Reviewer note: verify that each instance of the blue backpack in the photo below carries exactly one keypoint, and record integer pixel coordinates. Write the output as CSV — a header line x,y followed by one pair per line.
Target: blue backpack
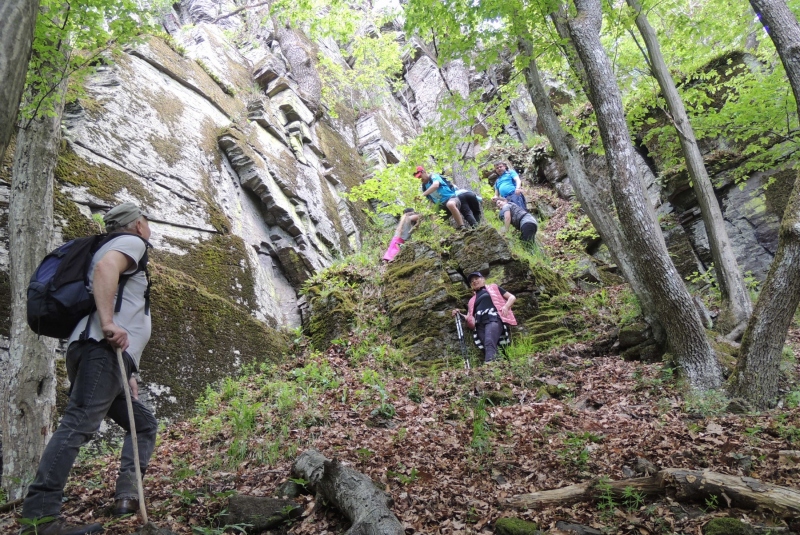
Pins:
x,y
58,295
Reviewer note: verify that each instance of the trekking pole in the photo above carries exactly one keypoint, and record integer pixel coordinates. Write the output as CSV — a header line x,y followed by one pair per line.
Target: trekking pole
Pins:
x,y
460,331
132,424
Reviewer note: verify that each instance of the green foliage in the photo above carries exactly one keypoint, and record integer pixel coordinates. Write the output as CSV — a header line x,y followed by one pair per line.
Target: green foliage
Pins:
x,y
403,474
705,403
793,399
575,452
374,75
481,432
69,40
35,522
632,499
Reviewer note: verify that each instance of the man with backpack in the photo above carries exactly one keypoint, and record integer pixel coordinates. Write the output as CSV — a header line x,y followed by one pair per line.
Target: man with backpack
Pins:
x,y
441,193
119,284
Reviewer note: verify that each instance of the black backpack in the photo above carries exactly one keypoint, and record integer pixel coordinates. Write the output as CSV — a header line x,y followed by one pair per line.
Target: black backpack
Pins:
x,y
58,295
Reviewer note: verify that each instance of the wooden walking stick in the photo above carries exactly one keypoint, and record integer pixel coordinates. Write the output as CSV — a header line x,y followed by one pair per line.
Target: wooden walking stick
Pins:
x,y
132,421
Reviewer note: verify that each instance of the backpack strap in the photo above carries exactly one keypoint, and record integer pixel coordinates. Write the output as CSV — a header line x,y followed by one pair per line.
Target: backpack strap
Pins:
x,y
123,279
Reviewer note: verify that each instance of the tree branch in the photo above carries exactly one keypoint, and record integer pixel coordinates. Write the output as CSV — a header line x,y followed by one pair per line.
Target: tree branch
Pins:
x,y
235,11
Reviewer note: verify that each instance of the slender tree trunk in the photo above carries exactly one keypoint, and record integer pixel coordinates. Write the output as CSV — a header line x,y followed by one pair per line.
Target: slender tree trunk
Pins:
x,y
28,390
758,369
300,54
729,277
681,321
589,194
17,20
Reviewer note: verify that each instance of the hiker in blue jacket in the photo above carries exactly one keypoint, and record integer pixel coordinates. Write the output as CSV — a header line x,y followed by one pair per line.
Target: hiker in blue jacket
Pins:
x,y
508,185
440,193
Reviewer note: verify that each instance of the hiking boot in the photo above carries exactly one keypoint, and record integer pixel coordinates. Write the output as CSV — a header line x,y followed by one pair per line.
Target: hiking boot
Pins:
x,y
125,506
59,526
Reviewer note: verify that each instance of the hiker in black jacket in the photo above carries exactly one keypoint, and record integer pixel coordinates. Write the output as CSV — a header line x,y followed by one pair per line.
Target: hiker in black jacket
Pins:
x,y
511,214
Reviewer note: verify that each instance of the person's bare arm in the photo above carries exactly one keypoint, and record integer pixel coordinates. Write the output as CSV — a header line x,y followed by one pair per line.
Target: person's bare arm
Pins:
x,y
105,282
431,189
509,301
507,219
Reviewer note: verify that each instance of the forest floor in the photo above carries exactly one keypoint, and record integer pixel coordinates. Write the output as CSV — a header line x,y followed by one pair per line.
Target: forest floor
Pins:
x,y
452,445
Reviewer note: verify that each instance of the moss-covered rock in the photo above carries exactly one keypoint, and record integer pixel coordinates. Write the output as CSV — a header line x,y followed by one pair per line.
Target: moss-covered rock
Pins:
x,y
515,526
218,264
101,181
5,304
423,286
727,526
198,338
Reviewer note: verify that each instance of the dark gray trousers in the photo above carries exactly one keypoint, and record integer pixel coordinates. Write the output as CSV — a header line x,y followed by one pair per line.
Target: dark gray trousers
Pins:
x,y
96,392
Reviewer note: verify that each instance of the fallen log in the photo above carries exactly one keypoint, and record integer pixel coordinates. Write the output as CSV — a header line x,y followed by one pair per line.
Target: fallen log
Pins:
x,y
681,485
350,491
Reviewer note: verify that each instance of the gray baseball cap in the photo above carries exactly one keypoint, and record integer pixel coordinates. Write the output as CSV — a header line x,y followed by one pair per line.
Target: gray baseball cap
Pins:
x,y
121,215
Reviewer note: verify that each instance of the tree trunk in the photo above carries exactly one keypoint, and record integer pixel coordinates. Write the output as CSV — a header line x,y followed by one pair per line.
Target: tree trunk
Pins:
x,y
758,368
681,321
590,195
29,386
731,282
353,493
17,20
681,485
300,54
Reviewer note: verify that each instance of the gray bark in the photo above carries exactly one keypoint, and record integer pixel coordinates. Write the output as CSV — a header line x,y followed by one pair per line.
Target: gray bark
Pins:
x,y
685,334
17,20
731,282
350,491
29,385
758,368
681,484
589,193
301,56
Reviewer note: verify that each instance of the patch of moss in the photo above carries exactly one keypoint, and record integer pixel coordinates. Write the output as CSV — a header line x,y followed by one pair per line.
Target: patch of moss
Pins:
x,y
515,526
73,223
166,147
727,526
169,108
199,337
102,181
218,265
778,191
228,90
190,73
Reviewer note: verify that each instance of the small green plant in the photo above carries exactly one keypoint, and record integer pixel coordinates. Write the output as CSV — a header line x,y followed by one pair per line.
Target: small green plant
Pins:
x,y
632,499
793,399
576,452
712,503
401,476
481,433
415,393
364,454
35,522
605,502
